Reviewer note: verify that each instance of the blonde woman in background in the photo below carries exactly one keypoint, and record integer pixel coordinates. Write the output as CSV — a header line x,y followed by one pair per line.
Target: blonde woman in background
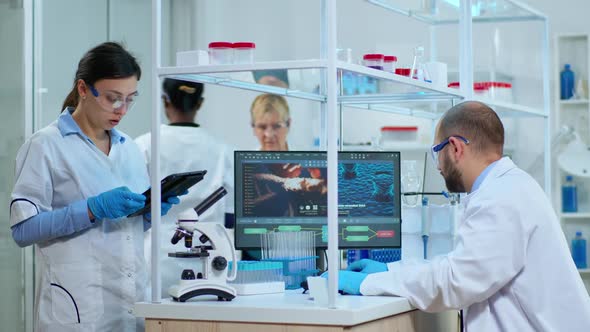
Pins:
x,y
270,122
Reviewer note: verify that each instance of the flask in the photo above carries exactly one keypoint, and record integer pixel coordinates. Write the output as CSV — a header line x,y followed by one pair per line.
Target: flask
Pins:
x,y
579,251
567,82
569,195
411,182
418,71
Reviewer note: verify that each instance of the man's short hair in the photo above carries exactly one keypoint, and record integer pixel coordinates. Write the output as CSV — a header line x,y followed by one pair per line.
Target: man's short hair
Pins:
x,y
478,123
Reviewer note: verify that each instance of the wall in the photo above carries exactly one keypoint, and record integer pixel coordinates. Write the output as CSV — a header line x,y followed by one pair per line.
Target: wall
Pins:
x,y
12,133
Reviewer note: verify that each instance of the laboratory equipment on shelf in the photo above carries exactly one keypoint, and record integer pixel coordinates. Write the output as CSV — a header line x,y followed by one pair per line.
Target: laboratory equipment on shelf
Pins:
x,y
569,195
213,253
374,61
579,251
418,70
221,53
389,63
567,79
394,135
243,52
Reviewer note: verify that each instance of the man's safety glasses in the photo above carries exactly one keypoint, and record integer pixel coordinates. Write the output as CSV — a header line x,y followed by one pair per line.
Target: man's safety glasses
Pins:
x,y
438,147
112,101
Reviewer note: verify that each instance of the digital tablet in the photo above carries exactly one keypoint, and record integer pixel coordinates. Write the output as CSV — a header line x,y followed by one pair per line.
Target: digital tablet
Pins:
x,y
172,185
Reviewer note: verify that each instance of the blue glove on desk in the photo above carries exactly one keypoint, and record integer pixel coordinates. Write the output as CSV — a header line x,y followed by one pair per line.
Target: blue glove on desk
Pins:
x,y
367,266
115,203
165,207
349,281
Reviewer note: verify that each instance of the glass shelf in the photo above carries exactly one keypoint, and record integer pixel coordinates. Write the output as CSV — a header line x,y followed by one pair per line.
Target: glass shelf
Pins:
x,y
304,76
362,87
513,110
447,11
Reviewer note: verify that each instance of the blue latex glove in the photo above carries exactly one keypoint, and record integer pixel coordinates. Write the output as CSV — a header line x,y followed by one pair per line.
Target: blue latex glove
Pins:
x,y
367,266
165,207
115,203
349,282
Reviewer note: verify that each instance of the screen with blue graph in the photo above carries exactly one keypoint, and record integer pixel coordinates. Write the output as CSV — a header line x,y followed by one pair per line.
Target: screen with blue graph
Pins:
x,y
287,192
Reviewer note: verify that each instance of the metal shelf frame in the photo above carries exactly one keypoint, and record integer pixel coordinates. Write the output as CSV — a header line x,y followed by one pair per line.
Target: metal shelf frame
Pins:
x,y
331,101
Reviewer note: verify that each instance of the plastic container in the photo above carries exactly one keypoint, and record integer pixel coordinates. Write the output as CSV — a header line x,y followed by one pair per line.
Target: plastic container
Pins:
x,y
579,251
569,195
243,52
220,53
403,71
373,61
385,255
389,63
353,255
567,79
391,135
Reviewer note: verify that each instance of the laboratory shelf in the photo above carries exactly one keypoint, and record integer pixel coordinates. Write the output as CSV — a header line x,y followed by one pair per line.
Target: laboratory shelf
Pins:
x,y
513,110
581,102
394,88
584,271
241,76
402,147
575,215
448,11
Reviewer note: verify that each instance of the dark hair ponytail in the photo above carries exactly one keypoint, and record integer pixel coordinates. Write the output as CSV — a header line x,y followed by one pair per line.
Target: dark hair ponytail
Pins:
x,y
185,96
105,61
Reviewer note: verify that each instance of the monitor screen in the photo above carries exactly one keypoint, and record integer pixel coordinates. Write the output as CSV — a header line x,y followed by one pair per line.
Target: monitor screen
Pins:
x,y
287,191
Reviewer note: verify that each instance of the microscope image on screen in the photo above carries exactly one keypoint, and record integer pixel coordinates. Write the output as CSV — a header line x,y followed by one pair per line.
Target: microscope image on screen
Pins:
x,y
284,190
365,189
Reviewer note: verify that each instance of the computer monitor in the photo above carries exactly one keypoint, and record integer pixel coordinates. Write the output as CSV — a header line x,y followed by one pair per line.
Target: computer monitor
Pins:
x,y
287,191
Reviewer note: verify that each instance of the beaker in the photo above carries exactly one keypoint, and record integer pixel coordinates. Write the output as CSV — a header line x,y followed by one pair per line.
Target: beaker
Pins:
x,y
411,182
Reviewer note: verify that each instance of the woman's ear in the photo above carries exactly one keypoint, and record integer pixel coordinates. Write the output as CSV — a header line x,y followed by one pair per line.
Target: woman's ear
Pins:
x,y
82,89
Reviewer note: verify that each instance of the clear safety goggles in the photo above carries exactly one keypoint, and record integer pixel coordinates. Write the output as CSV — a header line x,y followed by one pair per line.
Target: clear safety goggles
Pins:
x,y
263,127
113,102
438,147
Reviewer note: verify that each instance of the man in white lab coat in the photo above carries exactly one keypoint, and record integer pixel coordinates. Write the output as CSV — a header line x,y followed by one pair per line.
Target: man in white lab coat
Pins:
x,y
511,269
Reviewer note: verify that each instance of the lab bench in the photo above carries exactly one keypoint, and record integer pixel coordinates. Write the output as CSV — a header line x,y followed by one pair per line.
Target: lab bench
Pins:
x,y
291,311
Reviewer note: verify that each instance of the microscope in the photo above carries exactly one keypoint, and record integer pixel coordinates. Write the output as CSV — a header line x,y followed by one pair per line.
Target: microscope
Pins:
x,y
213,251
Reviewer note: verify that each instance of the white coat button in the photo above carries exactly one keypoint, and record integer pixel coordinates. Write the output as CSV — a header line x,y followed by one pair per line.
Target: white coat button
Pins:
x,y
129,275
130,311
128,237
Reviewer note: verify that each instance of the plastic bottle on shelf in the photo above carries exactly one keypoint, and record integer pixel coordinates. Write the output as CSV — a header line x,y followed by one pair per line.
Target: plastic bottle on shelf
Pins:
x,y
579,251
567,79
569,195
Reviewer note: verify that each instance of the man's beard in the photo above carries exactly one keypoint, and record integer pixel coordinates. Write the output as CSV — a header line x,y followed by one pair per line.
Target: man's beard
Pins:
x,y
452,177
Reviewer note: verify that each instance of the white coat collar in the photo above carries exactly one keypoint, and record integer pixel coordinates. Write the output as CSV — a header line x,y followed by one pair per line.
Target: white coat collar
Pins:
x,y
502,166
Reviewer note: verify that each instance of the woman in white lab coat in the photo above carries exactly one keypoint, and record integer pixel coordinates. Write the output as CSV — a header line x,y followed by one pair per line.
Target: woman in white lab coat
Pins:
x,y
271,122
76,181
186,146
511,269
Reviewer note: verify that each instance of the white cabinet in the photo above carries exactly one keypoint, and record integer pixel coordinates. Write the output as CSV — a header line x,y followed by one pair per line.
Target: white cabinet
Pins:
x,y
397,94
572,119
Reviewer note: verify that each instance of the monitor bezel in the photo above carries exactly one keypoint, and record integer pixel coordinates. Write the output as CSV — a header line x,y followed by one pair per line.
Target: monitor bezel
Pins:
x,y
319,245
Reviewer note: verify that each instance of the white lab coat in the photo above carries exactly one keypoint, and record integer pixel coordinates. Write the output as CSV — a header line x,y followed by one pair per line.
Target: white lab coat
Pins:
x,y
511,269
100,271
184,149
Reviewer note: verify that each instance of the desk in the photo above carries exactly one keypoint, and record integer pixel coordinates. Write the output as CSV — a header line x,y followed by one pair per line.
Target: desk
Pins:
x,y
286,312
